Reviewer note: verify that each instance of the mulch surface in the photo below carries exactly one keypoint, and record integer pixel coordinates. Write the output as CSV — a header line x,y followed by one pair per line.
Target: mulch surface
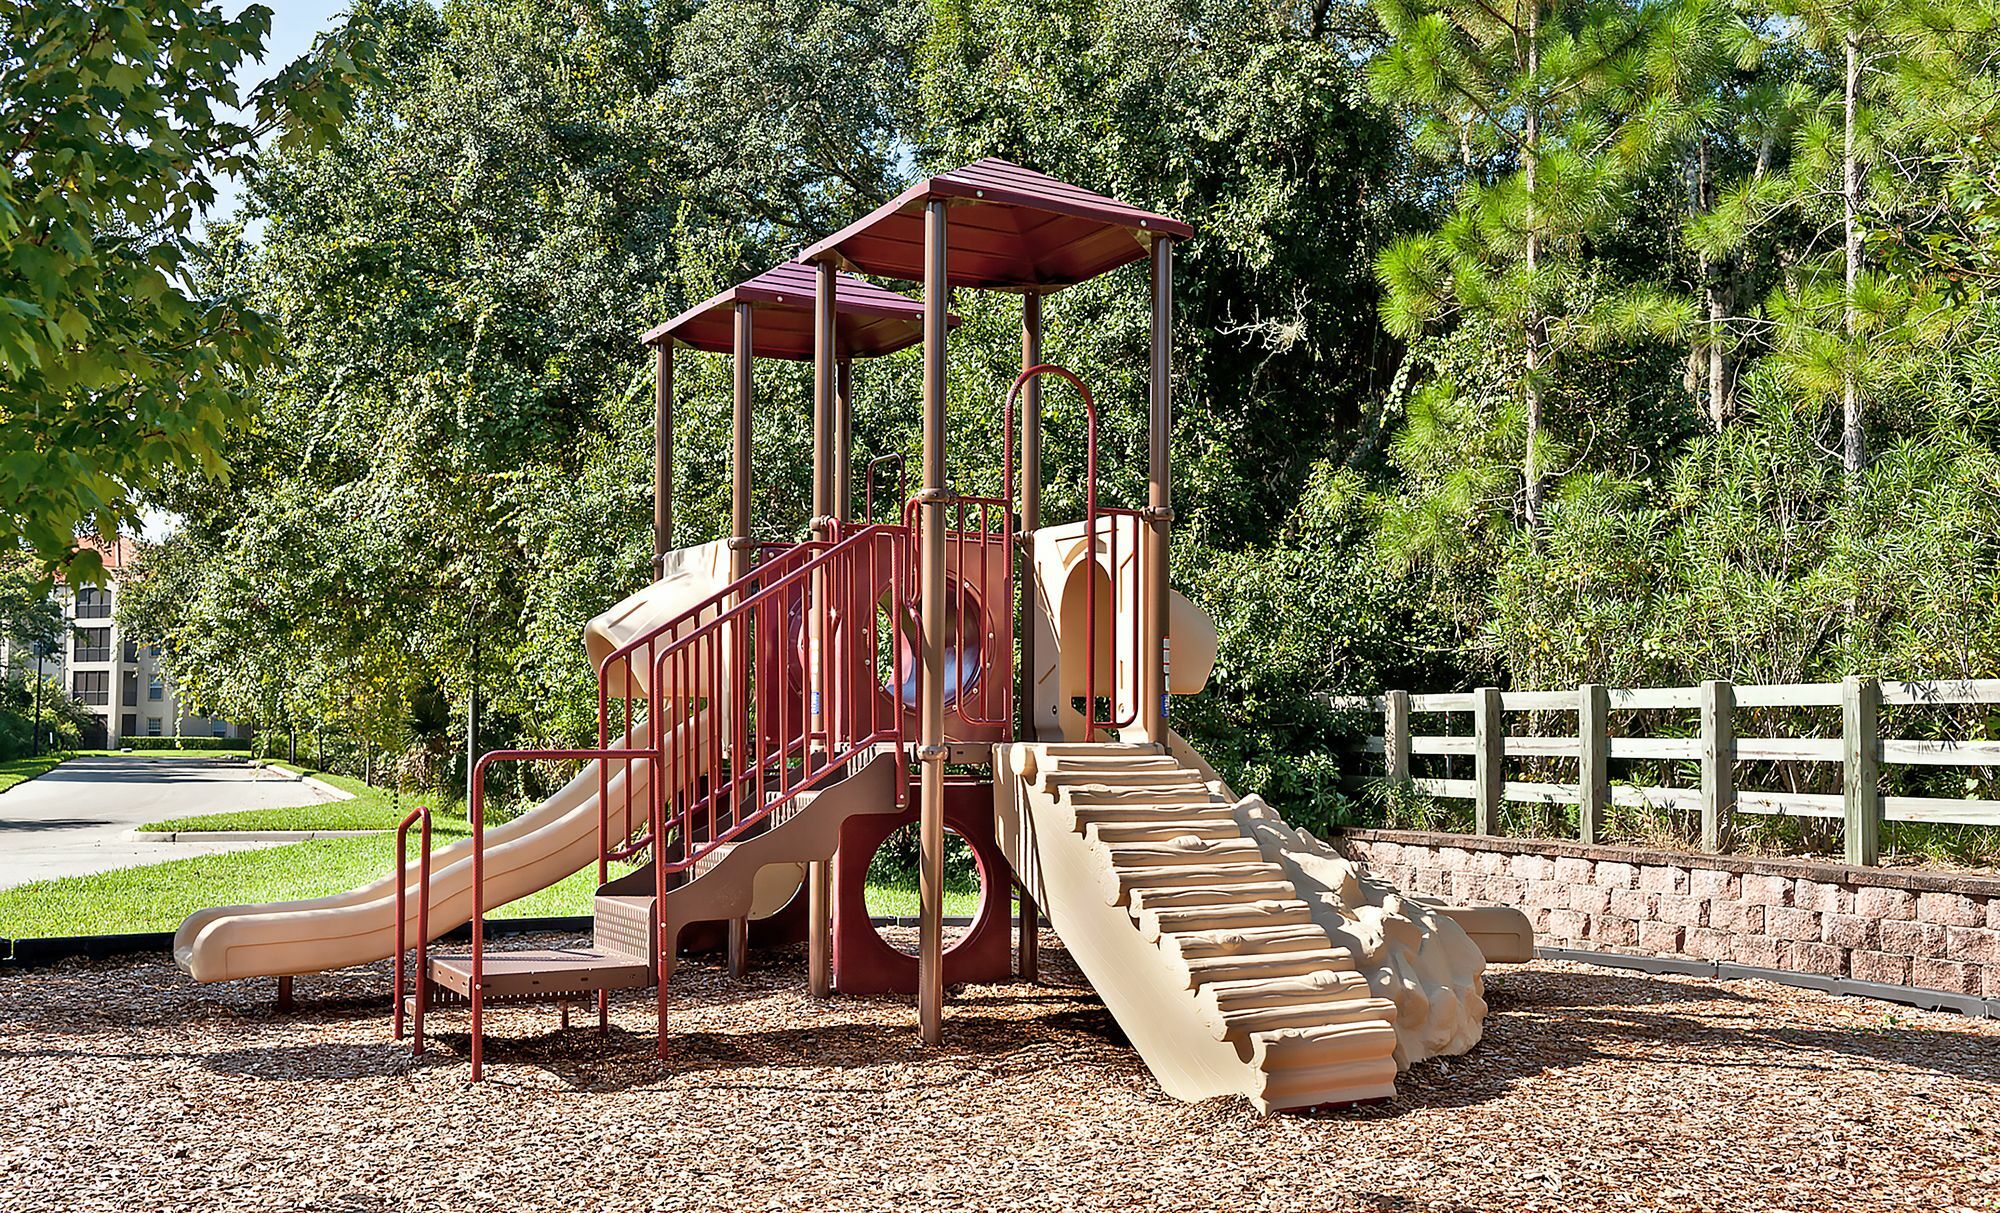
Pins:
x,y
124,1086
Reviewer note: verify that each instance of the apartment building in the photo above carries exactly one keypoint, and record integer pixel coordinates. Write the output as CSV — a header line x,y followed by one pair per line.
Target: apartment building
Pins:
x,y
119,680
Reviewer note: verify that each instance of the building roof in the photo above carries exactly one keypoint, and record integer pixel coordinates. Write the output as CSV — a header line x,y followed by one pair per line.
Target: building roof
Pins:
x,y
869,320
1012,228
119,553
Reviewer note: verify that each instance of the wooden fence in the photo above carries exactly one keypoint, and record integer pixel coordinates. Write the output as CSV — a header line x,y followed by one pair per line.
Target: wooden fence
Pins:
x,y
1861,751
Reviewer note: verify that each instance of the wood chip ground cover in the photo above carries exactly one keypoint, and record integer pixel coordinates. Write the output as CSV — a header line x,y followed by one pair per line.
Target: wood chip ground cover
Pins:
x,y
127,1087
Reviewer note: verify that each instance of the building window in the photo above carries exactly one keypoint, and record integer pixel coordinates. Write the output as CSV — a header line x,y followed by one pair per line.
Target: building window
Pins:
x,y
128,687
222,730
131,652
93,644
156,689
91,686
128,724
152,726
92,603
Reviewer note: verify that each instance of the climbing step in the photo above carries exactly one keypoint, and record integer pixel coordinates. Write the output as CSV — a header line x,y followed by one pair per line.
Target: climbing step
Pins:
x,y
1209,895
1268,912
1105,833
1239,1025
1185,849
1119,883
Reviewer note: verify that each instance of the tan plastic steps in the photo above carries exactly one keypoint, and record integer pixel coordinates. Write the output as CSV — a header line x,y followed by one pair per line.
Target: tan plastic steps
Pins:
x,y
1199,945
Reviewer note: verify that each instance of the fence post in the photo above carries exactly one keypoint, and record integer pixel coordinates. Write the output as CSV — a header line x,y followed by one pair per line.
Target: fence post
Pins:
x,y
1718,762
1489,745
1593,766
1396,736
1861,769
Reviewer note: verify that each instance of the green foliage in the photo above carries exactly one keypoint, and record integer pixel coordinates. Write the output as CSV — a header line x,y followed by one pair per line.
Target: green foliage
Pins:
x,y
117,366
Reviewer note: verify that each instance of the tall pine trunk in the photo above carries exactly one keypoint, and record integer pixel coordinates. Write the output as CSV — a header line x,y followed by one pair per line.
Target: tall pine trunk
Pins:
x,y
1720,406
1853,451
1531,469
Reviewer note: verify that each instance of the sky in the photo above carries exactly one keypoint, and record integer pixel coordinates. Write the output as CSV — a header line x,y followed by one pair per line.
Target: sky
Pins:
x,y
294,23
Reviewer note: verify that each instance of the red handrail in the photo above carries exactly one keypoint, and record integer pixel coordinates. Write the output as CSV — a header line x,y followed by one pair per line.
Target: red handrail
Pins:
x,y
477,985
1091,513
420,813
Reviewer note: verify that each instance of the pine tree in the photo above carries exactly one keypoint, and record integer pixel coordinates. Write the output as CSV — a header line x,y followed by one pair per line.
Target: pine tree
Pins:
x,y
1549,109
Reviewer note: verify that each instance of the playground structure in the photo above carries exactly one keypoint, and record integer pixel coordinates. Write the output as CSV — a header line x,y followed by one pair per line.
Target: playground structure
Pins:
x,y
761,707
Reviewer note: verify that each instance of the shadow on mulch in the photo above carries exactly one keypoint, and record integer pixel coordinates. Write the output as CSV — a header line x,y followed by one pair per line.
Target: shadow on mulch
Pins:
x,y
1536,1024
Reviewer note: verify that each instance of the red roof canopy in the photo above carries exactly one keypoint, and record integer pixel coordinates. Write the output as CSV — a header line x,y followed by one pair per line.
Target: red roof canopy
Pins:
x,y
1013,229
868,319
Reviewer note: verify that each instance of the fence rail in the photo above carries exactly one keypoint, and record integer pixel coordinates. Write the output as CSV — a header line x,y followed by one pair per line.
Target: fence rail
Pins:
x,y
1861,751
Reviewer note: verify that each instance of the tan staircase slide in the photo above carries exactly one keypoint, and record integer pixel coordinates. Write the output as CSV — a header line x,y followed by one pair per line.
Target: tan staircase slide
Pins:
x,y
1239,956
1199,947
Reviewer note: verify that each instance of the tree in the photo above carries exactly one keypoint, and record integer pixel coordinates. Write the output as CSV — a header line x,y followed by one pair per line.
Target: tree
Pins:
x,y
115,366
1549,109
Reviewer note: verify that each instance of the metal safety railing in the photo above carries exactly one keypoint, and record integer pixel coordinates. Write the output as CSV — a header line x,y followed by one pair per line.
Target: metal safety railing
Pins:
x,y
1101,524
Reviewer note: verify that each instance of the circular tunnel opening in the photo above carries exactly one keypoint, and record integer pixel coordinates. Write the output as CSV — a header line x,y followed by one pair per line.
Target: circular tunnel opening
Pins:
x,y
892,887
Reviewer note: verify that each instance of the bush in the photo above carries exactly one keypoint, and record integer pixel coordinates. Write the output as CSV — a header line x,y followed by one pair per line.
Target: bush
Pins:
x,y
241,744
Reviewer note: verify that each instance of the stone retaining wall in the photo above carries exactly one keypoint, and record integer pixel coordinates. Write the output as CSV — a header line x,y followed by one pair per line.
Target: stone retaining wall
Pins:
x,y
1935,930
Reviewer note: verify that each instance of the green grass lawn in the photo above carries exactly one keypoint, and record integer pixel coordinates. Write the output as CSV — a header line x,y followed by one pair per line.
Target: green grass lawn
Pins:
x,y
158,896
21,770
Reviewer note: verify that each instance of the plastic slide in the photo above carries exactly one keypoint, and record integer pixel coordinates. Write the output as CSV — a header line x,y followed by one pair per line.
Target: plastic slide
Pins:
x,y
545,845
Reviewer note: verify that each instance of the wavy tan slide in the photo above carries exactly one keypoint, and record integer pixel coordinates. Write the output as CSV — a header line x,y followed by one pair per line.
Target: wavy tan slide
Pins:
x,y
547,844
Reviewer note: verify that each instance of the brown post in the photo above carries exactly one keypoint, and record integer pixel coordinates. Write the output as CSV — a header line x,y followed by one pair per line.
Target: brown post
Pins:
x,y
739,542
739,464
1153,655
1031,518
819,916
930,737
843,440
663,453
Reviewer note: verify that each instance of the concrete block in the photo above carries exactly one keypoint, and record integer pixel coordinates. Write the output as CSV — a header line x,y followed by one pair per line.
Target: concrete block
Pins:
x,y
1614,875
1885,967
1682,911
1609,932
1885,903
1823,897
1911,938
1663,878
1714,882
1633,903
1532,867
1659,937
1506,890
1847,930
1568,924
1707,943
1759,950
1589,898
1947,975
1571,870
1808,956
1736,917
1950,910
1790,922
1972,945
1767,890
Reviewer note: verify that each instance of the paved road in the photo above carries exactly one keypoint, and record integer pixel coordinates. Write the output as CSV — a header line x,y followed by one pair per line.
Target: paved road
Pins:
x,y
79,817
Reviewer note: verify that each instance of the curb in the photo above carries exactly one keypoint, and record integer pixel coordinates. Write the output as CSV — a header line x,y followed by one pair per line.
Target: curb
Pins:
x,y
248,835
1847,987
